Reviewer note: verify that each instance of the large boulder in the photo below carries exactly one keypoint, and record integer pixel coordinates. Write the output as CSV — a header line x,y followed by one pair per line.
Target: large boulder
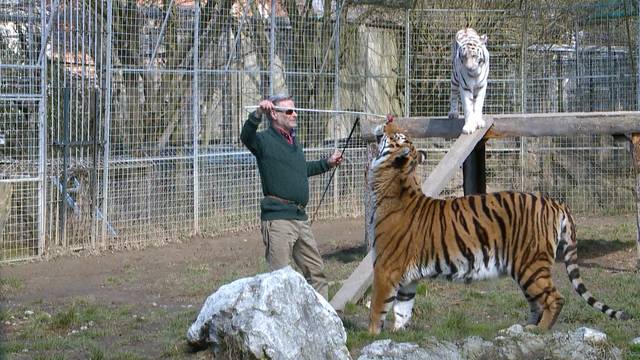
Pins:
x,y
275,315
511,344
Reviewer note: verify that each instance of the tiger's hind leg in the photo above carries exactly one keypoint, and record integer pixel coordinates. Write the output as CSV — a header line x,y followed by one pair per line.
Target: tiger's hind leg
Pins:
x,y
403,307
541,290
382,298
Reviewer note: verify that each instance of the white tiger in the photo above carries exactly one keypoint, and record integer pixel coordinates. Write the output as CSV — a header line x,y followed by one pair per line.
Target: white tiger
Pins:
x,y
469,78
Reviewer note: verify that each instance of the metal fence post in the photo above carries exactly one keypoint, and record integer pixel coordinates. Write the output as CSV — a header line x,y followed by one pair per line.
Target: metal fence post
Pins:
x,y
196,114
407,63
336,100
272,47
638,58
107,125
42,135
523,92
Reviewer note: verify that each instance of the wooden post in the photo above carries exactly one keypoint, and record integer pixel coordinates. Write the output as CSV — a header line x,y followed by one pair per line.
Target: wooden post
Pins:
x,y
635,150
473,171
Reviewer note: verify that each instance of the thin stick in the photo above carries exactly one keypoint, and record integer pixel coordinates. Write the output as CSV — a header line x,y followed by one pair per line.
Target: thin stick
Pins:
x,y
333,172
321,111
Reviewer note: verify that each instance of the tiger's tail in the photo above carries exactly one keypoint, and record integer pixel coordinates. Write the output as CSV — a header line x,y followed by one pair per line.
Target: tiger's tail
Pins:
x,y
568,247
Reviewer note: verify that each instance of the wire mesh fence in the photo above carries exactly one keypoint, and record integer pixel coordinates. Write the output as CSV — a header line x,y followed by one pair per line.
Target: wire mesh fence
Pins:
x,y
120,119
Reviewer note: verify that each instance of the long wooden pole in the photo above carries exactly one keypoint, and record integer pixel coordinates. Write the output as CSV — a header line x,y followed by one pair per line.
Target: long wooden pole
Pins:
x,y
513,125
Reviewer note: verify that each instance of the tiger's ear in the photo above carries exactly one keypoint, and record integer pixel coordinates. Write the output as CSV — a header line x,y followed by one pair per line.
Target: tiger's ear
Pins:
x,y
484,38
422,156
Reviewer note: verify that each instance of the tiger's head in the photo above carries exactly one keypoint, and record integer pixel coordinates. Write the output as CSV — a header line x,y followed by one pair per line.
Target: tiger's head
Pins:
x,y
472,50
395,152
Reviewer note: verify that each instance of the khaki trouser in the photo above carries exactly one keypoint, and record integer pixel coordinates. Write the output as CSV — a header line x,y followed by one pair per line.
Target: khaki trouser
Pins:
x,y
287,239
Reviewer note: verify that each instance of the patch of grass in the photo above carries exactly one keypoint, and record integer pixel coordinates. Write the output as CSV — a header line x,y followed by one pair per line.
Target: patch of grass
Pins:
x,y
350,308
127,276
173,337
80,312
10,284
96,353
77,326
126,355
634,352
51,357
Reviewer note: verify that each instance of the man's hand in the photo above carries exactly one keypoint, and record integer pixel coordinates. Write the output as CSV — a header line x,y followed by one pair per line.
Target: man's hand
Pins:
x,y
335,159
264,107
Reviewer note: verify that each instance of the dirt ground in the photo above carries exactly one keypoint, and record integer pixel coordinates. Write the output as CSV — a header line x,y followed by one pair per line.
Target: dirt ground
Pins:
x,y
174,277
87,276
179,276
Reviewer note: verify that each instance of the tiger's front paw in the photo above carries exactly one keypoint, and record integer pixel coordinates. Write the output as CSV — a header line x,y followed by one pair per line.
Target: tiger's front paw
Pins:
x,y
468,128
375,329
453,115
481,123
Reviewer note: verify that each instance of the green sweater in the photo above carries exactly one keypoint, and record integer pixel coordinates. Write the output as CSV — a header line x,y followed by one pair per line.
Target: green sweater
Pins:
x,y
283,171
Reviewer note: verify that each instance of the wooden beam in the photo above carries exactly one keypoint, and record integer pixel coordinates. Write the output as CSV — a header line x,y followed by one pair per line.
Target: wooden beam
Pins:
x,y
451,162
356,285
512,125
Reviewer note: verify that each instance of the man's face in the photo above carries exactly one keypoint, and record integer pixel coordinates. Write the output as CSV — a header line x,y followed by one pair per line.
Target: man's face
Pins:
x,y
282,119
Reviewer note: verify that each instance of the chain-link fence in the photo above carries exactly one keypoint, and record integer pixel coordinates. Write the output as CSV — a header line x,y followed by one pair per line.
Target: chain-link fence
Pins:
x,y
120,119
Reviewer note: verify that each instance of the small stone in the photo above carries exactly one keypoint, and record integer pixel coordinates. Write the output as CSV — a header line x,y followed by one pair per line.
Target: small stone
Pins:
x,y
636,341
513,330
28,313
592,335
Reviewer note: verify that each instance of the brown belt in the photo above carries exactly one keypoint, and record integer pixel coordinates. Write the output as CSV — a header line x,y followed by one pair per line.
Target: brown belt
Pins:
x,y
285,201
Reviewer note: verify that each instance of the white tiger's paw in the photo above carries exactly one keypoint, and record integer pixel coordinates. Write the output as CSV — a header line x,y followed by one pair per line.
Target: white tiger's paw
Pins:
x,y
453,115
400,325
468,128
481,123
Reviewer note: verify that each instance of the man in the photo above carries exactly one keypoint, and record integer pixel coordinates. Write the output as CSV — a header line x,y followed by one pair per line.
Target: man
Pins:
x,y
283,172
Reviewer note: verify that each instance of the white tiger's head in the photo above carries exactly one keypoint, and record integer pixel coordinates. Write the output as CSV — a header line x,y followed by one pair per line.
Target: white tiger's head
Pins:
x,y
472,51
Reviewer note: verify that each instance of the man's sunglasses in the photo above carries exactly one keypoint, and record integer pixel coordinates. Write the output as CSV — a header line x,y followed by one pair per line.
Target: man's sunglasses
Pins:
x,y
287,111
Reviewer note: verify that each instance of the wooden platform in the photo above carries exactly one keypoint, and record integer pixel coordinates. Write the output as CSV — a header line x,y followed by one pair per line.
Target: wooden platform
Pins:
x,y
513,125
356,285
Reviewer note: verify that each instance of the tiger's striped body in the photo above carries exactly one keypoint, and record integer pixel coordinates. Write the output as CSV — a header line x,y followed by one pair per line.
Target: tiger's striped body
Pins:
x,y
467,238
469,78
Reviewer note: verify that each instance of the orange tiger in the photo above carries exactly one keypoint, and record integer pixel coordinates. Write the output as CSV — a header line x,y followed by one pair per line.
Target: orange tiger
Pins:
x,y
466,238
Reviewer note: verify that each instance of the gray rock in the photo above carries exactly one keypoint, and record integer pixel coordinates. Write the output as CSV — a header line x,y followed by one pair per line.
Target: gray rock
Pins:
x,y
389,350
274,316
513,343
